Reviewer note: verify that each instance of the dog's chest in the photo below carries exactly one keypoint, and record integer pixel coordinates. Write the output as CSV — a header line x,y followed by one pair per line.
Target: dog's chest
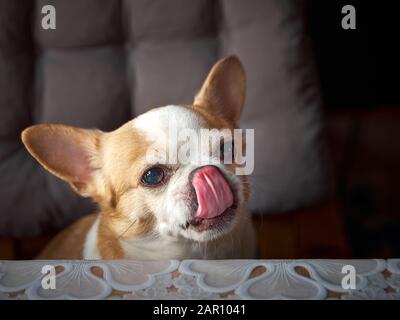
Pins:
x,y
161,249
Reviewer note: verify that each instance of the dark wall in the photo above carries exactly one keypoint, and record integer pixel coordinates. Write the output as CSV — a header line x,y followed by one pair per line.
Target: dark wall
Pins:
x,y
357,67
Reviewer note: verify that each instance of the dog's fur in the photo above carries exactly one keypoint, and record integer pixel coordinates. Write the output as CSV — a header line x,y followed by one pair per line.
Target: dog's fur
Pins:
x,y
136,222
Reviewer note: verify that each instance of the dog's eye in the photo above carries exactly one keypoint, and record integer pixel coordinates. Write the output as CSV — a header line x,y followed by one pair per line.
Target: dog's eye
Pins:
x,y
153,176
227,151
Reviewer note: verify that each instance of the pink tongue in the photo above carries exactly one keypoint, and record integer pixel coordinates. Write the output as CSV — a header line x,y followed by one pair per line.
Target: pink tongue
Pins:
x,y
214,195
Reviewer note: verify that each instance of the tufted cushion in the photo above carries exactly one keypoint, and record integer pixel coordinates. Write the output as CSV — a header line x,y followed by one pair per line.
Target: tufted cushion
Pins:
x,y
109,60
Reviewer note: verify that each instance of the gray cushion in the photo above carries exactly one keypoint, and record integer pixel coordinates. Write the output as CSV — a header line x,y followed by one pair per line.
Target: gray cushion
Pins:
x,y
109,60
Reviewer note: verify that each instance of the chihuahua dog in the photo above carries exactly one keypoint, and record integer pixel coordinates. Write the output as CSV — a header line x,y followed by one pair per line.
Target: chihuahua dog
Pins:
x,y
153,205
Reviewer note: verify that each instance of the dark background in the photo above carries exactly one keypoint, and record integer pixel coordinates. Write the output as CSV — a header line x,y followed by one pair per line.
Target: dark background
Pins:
x,y
357,67
360,86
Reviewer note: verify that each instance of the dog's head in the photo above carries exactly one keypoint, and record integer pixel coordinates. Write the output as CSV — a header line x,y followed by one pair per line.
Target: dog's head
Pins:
x,y
170,171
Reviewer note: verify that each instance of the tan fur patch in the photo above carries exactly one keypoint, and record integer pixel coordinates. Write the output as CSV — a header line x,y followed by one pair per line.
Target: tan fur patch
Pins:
x,y
107,242
123,149
68,244
224,90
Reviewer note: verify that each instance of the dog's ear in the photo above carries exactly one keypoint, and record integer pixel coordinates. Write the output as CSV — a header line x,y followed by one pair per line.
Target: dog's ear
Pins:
x,y
69,153
223,92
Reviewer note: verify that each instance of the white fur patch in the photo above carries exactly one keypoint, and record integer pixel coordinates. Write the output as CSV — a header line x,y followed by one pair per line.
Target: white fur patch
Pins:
x,y
90,250
154,247
150,123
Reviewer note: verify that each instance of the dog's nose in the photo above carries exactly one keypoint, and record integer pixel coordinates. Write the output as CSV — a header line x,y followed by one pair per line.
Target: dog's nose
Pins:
x,y
214,195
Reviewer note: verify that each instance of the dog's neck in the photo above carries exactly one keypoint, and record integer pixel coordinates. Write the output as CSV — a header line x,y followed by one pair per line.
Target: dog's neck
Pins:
x,y
103,243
